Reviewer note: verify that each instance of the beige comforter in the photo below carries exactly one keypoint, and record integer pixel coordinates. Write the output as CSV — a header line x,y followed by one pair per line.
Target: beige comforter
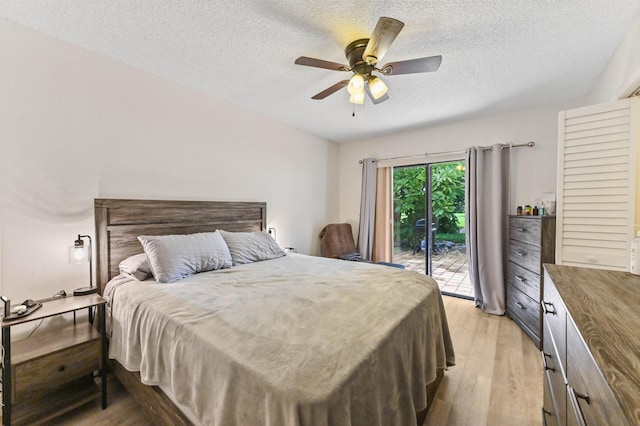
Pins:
x,y
296,340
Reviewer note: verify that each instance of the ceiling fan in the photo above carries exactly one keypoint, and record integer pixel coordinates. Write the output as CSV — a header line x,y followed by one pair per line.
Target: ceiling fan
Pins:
x,y
363,56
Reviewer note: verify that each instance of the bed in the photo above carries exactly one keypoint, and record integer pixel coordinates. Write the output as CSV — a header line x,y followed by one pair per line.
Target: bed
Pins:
x,y
294,340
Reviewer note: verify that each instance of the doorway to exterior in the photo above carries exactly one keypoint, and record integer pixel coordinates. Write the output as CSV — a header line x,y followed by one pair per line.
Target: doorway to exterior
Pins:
x,y
429,223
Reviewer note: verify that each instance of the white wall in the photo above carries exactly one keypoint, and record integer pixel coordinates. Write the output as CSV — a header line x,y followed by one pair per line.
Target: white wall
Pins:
x,y
622,70
77,126
533,170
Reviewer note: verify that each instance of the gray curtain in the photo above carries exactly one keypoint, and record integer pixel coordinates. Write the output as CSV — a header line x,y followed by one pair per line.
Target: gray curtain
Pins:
x,y
367,209
486,215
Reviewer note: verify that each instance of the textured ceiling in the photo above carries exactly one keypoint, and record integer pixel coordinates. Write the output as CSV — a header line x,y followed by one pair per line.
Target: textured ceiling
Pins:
x,y
497,54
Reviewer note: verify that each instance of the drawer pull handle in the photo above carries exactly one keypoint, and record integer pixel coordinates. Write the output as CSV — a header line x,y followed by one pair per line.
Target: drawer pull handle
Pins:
x,y
521,279
521,253
545,413
522,229
577,411
582,396
544,361
521,306
61,368
548,308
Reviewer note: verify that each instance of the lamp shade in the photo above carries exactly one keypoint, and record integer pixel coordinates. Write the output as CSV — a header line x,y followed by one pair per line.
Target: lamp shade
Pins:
x,y
78,254
377,87
356,84
357,98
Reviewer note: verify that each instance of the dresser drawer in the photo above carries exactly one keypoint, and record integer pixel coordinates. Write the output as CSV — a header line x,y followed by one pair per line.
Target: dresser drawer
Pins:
x,y
589,394
525,255
525,309
555,315
524,280
549,415
525,230
50,372
554,375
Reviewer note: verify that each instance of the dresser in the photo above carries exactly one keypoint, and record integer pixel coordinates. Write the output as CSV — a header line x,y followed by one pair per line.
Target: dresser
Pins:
x,y
531,243
591,347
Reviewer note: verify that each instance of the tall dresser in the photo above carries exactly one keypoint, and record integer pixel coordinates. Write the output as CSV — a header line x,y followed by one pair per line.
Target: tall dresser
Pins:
x,y
532,242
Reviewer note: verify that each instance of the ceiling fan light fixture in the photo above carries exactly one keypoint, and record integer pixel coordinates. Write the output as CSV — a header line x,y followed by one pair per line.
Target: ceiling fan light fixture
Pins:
x,y
357,98
377,87
363,56
356,85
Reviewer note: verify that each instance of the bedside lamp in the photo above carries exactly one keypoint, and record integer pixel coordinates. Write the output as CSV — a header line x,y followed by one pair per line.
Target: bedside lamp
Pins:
x,y
80,253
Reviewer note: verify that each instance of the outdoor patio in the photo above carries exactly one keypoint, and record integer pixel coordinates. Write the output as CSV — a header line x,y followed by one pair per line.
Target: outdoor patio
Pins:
x,y
450,269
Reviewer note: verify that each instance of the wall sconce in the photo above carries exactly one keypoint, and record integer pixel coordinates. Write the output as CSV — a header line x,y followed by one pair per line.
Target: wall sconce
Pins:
x,y
80,253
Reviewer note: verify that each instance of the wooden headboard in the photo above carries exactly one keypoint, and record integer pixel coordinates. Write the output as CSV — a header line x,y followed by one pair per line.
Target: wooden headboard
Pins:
x,y
119,223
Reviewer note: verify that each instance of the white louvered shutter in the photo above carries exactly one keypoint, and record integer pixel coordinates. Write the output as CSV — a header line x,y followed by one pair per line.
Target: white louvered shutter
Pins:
x,y
597,184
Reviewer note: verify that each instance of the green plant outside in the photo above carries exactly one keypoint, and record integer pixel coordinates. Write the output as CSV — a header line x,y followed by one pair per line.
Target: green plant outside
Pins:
x,y
455,238
408,202
462,221
447,194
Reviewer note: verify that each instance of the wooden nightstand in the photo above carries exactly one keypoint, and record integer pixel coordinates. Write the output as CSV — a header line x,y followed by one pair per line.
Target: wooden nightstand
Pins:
x,y
49,374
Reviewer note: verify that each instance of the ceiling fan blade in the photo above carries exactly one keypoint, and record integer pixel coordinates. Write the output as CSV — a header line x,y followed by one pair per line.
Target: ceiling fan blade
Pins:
x,y
319,63
385,32
411,66
374,100
331,90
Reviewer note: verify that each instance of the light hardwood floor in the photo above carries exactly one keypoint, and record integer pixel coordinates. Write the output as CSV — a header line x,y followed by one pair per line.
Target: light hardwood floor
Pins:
x,y
497,379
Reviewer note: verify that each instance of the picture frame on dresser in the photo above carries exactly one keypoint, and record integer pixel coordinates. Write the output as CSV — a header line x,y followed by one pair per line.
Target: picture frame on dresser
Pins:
x,y
531,243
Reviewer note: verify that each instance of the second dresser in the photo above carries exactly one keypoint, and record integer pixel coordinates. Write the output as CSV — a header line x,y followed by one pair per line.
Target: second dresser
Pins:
x,y
532,242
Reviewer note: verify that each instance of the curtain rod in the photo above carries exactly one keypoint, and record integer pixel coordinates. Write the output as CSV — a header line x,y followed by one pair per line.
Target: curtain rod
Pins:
x,y
529,144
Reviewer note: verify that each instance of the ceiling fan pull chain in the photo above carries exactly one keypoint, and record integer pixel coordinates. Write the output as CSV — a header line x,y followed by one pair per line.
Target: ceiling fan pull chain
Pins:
x,y
353,106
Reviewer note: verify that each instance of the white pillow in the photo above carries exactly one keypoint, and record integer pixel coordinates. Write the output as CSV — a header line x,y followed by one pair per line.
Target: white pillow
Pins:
x,y
136,266
248,247
173,257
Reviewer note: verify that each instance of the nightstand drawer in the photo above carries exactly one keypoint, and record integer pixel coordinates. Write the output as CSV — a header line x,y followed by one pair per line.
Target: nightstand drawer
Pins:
x,y
50,372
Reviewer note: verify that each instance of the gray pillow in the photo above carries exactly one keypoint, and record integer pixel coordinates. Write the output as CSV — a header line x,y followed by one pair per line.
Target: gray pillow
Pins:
x,y
248,247
173,257
136,266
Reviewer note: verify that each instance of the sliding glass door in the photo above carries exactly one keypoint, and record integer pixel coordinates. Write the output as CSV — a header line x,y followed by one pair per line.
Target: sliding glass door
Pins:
x,y
429,223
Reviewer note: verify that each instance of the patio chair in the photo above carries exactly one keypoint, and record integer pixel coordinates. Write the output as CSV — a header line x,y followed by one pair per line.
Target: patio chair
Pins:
x,y
419,235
